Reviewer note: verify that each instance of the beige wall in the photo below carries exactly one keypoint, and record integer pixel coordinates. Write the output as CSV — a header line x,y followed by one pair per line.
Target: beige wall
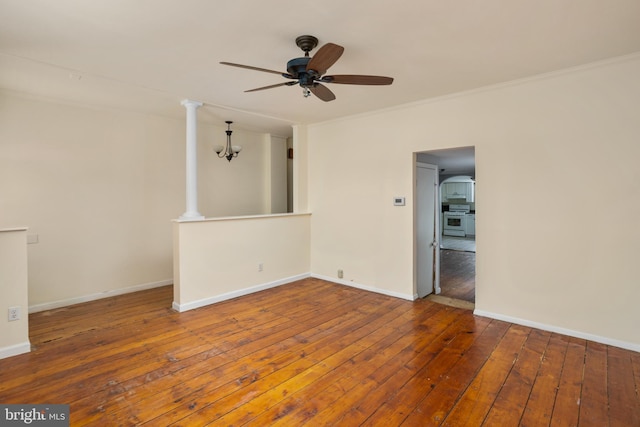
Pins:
x,y
100,187
218,259
253,183
555,157
14,335
278,175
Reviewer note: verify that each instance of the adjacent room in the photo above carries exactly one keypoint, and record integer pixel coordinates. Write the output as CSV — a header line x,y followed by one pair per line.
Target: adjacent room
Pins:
x,y
454,280
264,213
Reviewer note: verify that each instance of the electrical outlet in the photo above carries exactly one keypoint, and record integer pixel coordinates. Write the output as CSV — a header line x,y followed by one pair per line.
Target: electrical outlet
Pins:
x,y
340,274
14,313
260,267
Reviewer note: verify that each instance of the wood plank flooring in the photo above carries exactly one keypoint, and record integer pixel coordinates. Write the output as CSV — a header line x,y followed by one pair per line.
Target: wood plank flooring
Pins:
x,y
458,275
318,354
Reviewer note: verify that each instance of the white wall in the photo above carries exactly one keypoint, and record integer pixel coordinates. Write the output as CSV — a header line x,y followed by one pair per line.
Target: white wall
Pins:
x,y
555,156
100,187
14,335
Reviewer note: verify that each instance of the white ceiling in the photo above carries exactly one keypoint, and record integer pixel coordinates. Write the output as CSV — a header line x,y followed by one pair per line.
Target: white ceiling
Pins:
x,y
148,55
452,161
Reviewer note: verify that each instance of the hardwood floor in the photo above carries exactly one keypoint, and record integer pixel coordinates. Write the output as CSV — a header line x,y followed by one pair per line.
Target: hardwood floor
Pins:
x,y
314,353
458,275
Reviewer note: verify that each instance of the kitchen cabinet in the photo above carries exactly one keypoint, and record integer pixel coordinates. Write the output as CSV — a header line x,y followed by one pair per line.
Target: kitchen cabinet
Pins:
x,y
458,191
470,224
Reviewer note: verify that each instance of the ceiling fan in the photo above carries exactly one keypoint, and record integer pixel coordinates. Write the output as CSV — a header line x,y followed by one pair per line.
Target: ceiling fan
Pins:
x,y
309,72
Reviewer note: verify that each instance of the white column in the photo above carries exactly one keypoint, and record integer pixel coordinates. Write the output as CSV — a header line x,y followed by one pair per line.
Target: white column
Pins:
x,y
192,161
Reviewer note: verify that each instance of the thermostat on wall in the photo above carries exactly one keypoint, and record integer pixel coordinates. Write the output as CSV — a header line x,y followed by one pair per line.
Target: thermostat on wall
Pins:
x,y
398,201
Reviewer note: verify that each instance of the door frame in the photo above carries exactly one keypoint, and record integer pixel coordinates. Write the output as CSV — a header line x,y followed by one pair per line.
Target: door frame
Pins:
x,y
459,160
436,238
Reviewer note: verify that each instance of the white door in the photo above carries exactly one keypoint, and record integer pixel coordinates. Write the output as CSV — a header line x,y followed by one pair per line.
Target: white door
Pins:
x,y
427,224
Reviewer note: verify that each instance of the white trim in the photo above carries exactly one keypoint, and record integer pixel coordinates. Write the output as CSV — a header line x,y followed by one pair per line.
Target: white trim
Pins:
x,y
14,350
237,218
235,294
583,335
365,287
106,294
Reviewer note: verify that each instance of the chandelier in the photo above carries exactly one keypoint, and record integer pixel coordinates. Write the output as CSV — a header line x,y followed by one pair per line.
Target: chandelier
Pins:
x,y
230,151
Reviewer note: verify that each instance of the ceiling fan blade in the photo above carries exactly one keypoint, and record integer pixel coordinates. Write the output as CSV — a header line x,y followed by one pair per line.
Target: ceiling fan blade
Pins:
x,y
325,57
354,79
252,68
271,86
322,92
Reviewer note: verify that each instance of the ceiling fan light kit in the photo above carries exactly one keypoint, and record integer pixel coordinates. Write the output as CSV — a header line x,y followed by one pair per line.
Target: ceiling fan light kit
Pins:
x,y
308,72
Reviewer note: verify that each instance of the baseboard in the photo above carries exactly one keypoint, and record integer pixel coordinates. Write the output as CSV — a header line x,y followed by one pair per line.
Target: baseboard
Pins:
x,y
545,327
365,287
14,350
86,298
235,294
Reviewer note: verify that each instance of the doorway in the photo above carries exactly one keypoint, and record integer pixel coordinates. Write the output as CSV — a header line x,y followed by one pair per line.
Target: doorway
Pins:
x,y
455,269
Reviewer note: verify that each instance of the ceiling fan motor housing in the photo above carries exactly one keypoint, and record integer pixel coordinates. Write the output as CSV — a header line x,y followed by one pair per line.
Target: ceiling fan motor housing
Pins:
x,y
297,66
297,69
